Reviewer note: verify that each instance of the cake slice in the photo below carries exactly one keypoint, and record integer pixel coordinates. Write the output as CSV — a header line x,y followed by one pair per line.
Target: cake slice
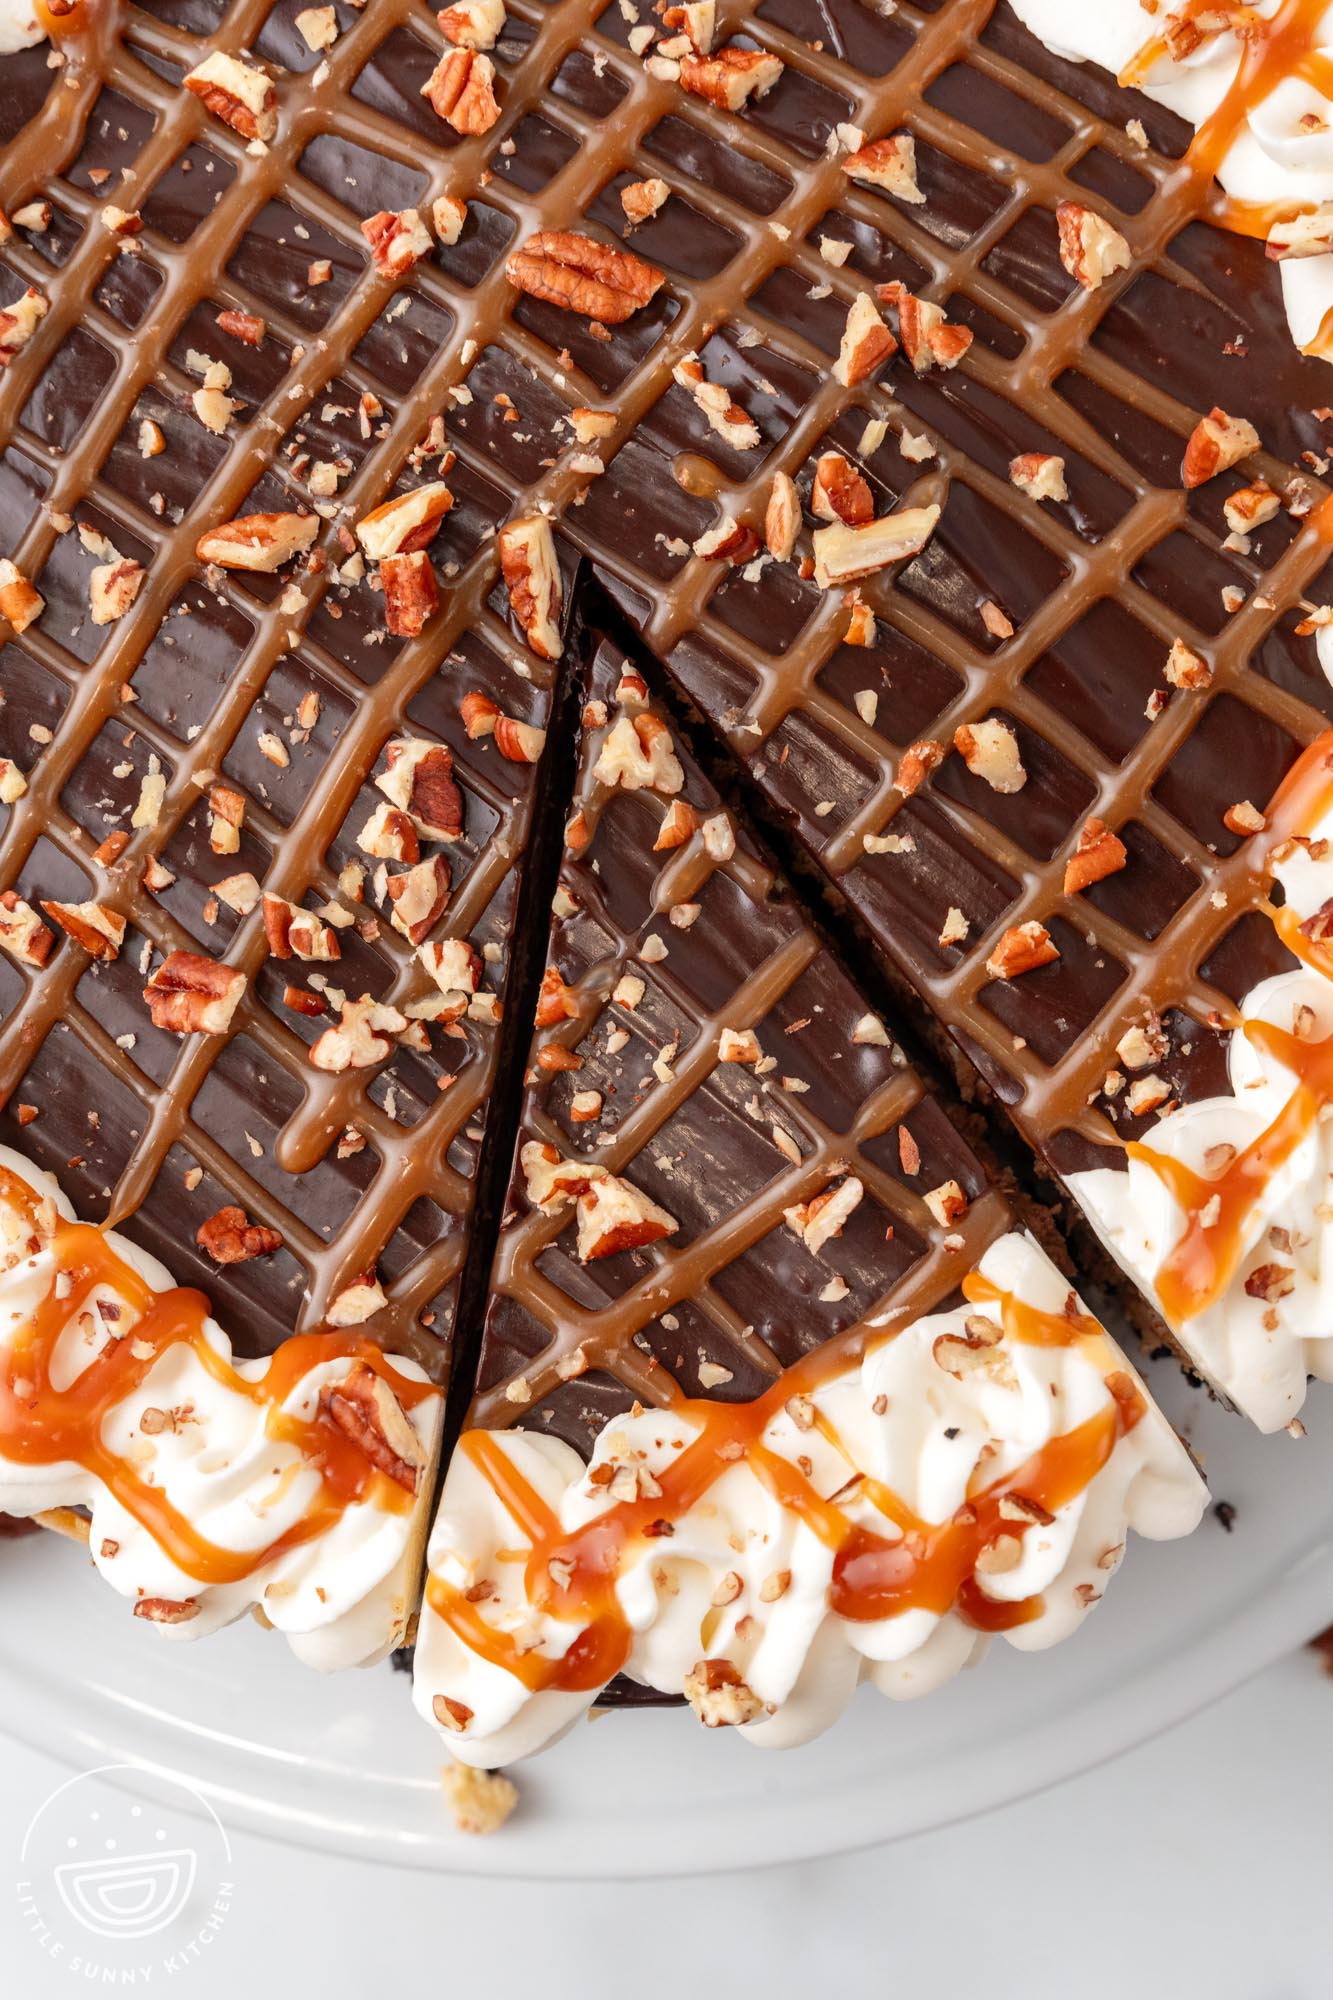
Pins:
x,y
205,1486
776,1387
1019,620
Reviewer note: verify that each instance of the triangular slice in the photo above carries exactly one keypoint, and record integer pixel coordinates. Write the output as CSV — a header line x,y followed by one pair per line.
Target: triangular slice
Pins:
x,y
776,1388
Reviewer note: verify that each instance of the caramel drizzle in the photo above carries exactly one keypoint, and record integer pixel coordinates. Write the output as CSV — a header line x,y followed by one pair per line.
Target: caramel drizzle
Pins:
x,y
1273,51
571,1575
42,1425
1203,1262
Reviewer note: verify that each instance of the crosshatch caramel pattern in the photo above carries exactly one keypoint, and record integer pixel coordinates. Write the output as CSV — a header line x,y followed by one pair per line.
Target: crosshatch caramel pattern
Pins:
x,y
747,288
726,1147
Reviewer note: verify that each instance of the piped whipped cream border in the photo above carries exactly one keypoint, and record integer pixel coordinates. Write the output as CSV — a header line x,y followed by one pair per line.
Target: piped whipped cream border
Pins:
x,y
1275,158
734,1608
343,1598
1271,1326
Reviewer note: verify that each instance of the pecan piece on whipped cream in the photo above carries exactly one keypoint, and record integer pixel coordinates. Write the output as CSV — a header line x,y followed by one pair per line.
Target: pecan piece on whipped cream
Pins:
x,y
582,275
193,995
365,1409
719,1696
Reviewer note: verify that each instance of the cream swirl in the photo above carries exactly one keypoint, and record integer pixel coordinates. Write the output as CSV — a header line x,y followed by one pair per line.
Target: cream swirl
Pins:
x,y
1282,153
19,26
224,1461
897,1447
1271,1323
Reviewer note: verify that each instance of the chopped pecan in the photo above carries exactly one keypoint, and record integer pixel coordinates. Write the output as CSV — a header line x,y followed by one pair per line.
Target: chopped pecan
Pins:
x,y
167,1610
724,416
19,602
866,342
389,835
845,555
731,77
243,326
556,1001
461,88
782,517
990,751
296,933
1185,668
1039,474
448,212
1097,854
916,764
13,785
730,541
262,542
99,930
519,742
889,164
696,20
1270,1282
472,24
238,93
226,808
1309,234
406,523
532,578
112,589
411,594
582,275
1023,948
839,492
365,1409
1090,249
397,240
1216,443
642,199
419,780
1251,507
678,823
453,964
193,995
719,1696
22,933
820,1219
418,898
357,1302
19,322
637,753
361,1038
929,341
229,1237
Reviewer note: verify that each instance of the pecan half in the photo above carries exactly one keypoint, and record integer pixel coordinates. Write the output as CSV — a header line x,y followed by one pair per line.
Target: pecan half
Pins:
x,y
582,275
461,89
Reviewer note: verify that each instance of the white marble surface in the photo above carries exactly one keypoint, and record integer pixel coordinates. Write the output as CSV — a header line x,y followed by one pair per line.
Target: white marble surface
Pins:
x,y
1197,1865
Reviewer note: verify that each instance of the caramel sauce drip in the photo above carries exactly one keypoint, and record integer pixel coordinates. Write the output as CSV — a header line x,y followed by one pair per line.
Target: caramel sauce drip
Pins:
x,y
1273,52
42,1425
1205,1259
572,1574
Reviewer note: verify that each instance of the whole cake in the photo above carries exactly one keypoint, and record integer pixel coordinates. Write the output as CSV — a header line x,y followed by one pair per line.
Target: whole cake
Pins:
x,y
576,577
